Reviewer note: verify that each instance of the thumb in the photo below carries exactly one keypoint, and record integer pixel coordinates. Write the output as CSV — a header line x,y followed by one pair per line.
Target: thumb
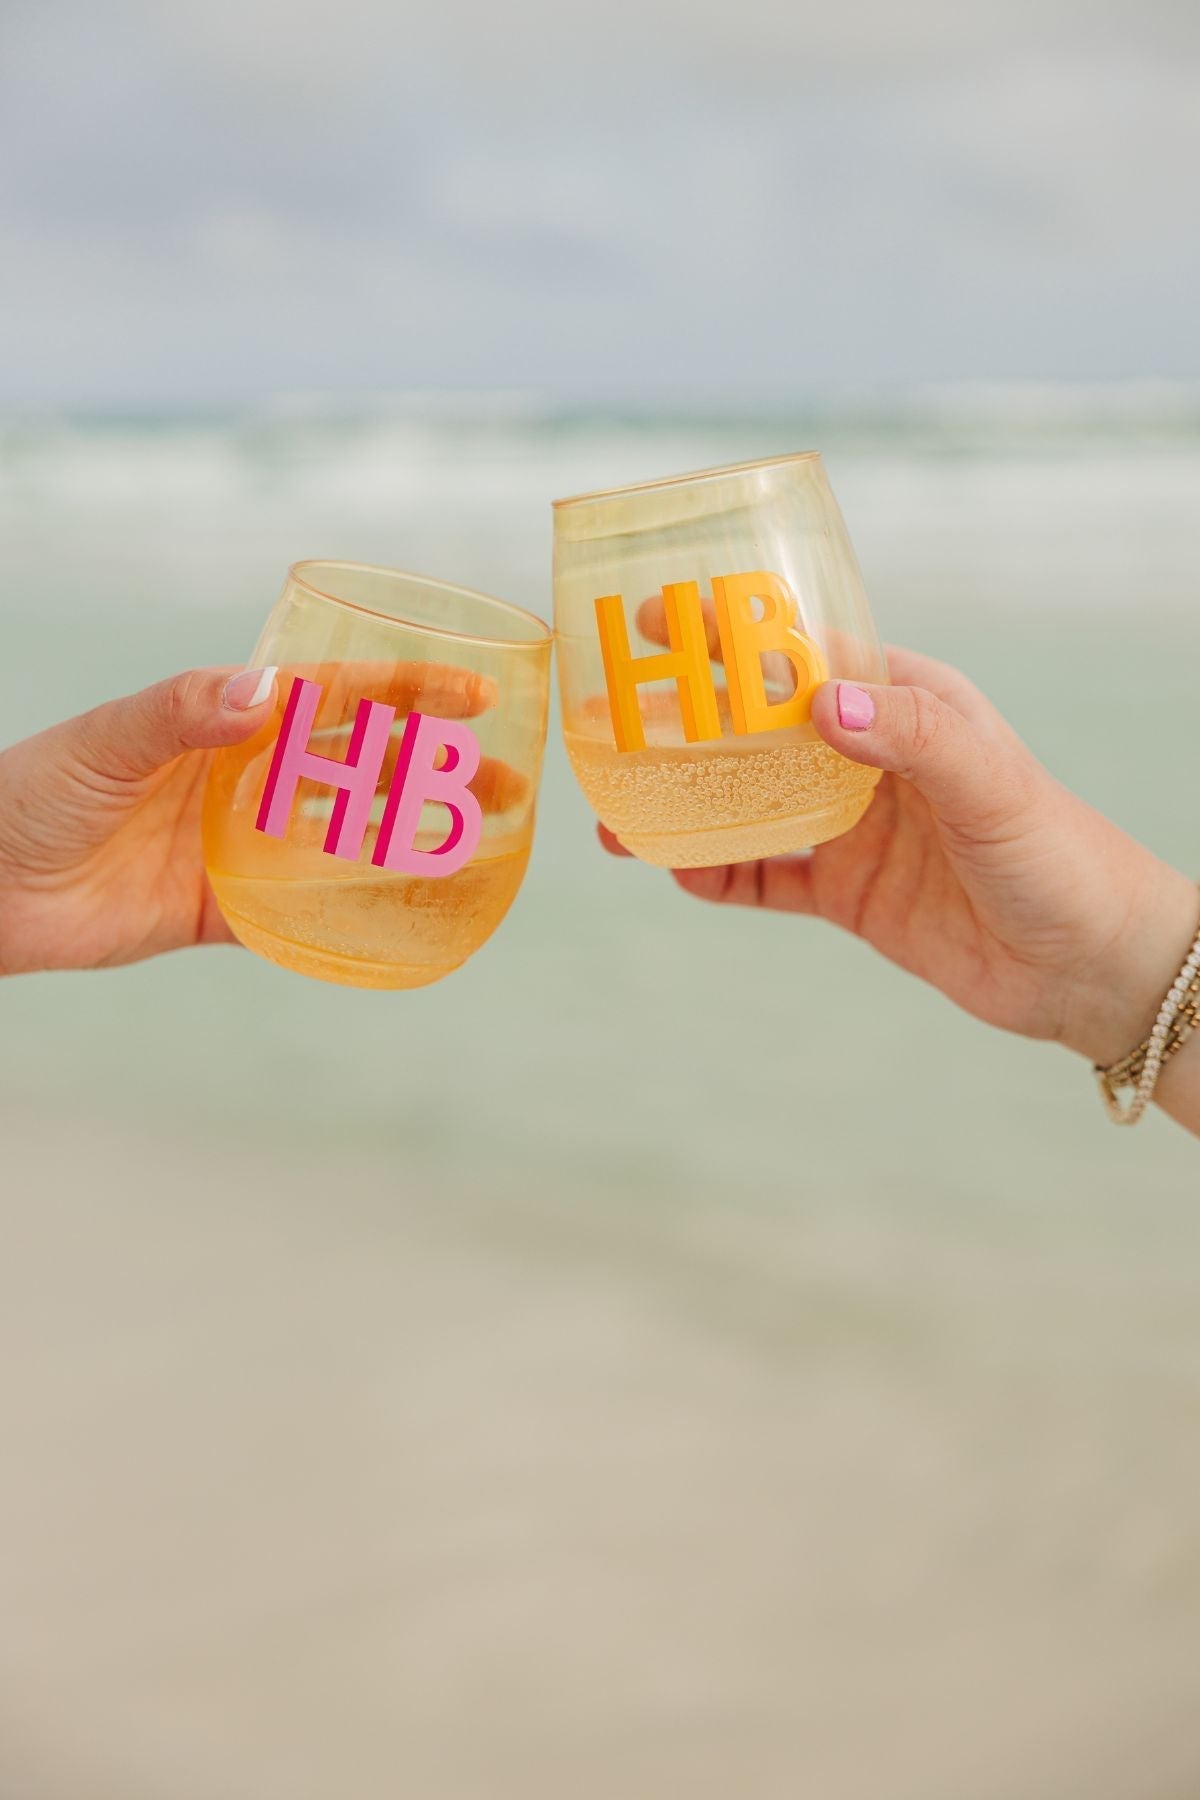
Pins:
x,y
968,781
203,709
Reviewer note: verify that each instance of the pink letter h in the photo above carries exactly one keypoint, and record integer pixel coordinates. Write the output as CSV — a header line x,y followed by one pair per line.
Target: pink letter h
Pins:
x,y
355,779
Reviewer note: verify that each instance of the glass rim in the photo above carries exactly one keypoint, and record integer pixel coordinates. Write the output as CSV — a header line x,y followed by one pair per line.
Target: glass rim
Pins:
x,y
694,475
543,633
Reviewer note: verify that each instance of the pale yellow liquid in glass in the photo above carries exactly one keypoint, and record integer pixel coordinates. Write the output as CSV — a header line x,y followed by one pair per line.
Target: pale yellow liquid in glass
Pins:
x,y
691,806
349,922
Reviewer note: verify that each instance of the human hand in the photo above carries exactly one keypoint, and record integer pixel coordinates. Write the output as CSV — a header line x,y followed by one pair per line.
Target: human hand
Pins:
x,y
974,869
100,852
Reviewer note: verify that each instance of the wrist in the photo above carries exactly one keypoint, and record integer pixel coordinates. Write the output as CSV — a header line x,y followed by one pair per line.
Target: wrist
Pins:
x,y
1178,1090
1114,1010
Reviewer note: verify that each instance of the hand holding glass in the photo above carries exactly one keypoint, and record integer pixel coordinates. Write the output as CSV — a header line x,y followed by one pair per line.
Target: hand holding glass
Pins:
x,y
750,567
377,829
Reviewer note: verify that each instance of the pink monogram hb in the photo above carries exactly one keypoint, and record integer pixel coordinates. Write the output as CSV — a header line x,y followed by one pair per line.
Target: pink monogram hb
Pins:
x,y
417,780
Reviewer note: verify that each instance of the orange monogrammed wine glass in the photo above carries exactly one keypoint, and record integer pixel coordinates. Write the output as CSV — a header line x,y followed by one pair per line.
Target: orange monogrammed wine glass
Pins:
x,y
376,830
695,618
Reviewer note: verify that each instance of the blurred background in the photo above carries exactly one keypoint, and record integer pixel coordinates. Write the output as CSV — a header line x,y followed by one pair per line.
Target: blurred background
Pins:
x,y
786,1385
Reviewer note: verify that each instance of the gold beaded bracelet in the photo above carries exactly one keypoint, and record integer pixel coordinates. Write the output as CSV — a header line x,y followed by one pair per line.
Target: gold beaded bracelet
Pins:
x,y
1178,1017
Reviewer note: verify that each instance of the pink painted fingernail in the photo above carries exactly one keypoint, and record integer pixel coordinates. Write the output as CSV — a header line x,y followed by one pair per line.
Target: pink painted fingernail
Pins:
x,y
856,709
249,689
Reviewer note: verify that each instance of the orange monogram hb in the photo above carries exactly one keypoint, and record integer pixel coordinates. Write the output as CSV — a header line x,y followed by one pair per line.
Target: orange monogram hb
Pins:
x,y
743,591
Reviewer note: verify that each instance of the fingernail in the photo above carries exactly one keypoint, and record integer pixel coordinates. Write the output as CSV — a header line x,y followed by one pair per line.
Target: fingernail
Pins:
x,y
856,709
249,689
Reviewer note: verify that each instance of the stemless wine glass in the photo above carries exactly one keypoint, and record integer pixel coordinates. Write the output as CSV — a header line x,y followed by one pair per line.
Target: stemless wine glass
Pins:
x,y
747,567
376,830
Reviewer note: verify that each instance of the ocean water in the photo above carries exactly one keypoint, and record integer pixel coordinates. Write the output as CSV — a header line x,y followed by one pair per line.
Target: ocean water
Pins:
x,y
679,1353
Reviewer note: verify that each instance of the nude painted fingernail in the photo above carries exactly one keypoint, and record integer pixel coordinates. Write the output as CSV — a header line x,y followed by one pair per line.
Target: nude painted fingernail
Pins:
x,y
249,689
856,709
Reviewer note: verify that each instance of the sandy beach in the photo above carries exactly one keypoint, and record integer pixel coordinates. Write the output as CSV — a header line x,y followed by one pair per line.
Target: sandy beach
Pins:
x,y
305,1494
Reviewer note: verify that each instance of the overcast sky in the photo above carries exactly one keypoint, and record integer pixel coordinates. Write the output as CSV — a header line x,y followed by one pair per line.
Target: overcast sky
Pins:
x,y
223,201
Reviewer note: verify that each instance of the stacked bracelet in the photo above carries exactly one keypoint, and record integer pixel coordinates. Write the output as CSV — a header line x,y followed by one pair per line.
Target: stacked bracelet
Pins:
x,y
1178,1017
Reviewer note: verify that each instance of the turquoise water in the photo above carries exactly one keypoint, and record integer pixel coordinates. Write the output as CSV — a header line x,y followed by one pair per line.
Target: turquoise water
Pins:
x,y
769,1380
1060,571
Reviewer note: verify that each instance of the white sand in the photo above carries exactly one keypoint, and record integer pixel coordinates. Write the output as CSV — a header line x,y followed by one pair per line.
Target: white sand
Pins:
x,y
314,1490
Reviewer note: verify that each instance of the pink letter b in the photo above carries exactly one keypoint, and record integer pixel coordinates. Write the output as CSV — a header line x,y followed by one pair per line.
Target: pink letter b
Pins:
x,y
417,780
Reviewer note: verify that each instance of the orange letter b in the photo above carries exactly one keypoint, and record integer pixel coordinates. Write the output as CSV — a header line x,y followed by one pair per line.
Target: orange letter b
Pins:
x,y
744,642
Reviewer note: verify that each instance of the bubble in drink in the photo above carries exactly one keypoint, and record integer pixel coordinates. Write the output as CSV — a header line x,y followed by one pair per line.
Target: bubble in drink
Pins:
x,y
373,931
348,921
694,805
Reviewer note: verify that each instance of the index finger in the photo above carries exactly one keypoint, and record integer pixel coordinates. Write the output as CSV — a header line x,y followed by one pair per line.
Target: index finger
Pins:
x,y
652,623
443,690
848,656
841,649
